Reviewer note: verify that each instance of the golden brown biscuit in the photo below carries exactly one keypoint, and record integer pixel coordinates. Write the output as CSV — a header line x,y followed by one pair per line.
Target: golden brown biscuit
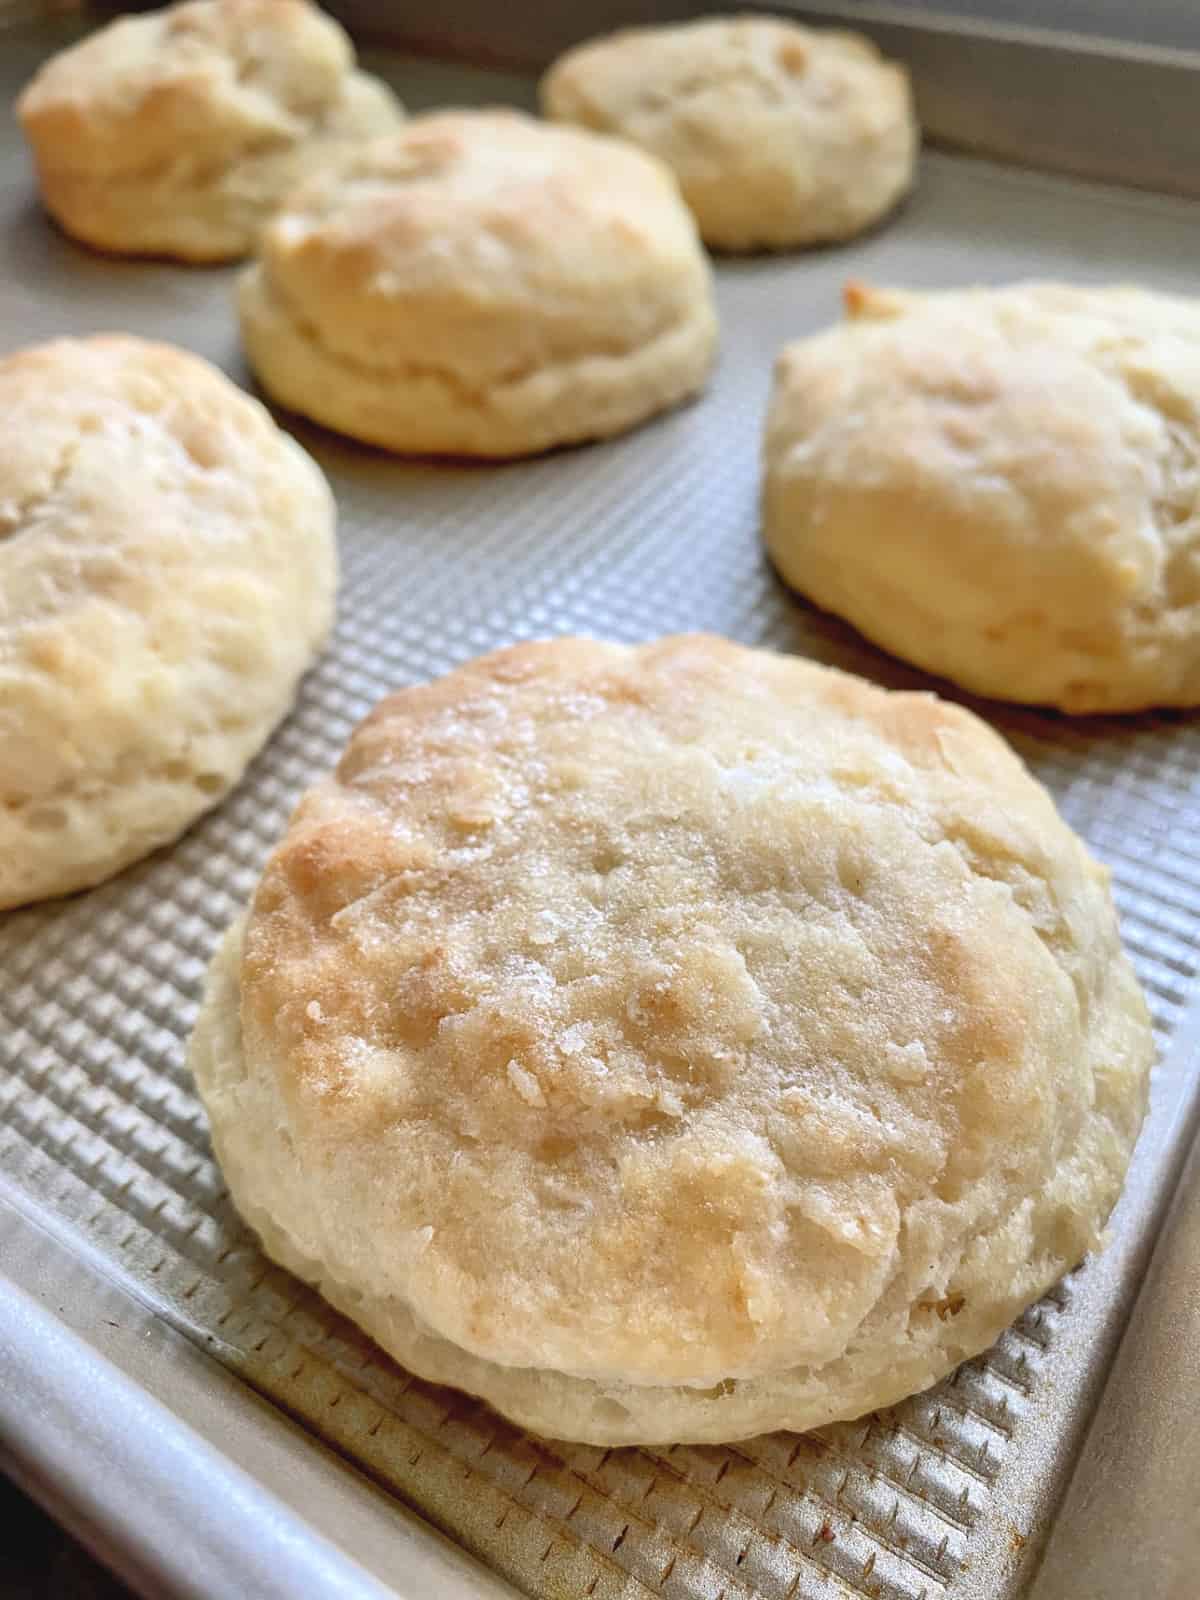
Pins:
x,y
178,133
482,284
167,573
1002,486
676,1042
780,135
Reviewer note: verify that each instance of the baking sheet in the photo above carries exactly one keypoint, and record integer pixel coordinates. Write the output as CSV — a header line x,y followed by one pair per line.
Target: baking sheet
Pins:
x,y
103,1141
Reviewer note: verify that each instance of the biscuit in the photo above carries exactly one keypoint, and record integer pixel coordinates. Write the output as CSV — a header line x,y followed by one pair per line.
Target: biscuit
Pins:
x,y
676,1042
779,135
167,572
482,284
178,133
1001,486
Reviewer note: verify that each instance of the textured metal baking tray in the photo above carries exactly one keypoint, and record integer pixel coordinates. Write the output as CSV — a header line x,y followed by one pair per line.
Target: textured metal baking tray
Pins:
x,y
158,1377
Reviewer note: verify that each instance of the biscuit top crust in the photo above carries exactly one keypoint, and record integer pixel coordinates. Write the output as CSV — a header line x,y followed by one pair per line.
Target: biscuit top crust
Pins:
x,y
715,68
513,243
651,1011
210,77
167,567
1030,456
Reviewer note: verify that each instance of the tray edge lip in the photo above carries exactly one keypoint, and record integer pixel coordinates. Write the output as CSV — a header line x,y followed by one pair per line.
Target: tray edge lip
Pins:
x,y
51,1375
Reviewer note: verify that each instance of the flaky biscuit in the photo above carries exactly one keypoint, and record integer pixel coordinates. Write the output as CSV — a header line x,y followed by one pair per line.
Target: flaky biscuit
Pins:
x,y
675,1042
167,572
482,284
780,135
179,132
1002,486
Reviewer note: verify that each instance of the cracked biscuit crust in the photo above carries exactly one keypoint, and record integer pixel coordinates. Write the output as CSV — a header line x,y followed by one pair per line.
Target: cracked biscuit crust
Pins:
x,y
482,284
780,135
167,572
178,133
1002,486
676,1042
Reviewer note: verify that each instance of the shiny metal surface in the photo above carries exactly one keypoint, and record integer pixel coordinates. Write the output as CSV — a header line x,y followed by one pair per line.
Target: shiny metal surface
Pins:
x,y
1023,89
1130,1524
111,1208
